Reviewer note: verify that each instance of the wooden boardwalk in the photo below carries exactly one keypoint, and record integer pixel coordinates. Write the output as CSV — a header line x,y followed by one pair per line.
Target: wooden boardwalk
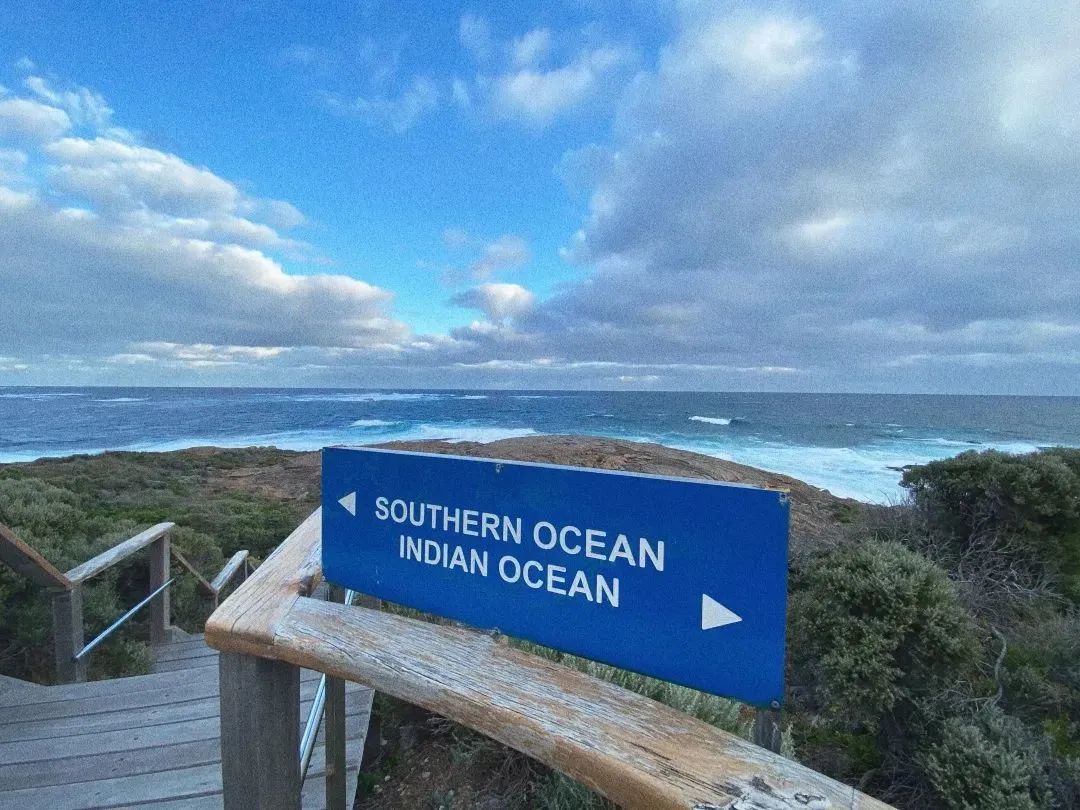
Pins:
x,y
151,740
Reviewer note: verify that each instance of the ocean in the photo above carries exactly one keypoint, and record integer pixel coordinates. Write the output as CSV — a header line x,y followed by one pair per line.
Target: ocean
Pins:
x,y
851,444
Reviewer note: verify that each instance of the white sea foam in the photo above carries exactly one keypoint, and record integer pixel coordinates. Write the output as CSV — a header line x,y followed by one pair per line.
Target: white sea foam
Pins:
x,y
868,472
38,395
962,443
457,432
711,420
124,399
366,396
372,423
303,439
374,396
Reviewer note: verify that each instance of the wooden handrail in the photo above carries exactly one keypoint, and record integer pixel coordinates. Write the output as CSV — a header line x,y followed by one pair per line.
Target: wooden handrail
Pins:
x,y
224,576
66,589
228,571
26,561
200,580
106,559
637,752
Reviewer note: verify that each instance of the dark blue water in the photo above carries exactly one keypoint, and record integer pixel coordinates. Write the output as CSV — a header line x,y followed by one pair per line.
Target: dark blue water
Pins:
x,y
847,443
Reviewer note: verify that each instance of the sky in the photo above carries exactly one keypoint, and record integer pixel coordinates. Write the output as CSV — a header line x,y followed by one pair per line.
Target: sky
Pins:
x,y
788,196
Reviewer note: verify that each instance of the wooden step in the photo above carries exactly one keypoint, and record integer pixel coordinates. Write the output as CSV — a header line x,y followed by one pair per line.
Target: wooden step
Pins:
x,y
140,741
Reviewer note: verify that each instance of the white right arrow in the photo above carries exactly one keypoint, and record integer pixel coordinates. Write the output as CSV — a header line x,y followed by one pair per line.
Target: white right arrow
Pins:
x,y
349,502
713,614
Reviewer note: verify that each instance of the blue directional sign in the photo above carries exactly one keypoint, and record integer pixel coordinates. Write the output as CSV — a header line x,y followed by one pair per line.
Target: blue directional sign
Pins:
x,y
680,579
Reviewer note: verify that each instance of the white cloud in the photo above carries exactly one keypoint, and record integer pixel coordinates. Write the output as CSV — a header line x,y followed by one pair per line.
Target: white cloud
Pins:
x,y
110,174
12,200
12,163
489,257
459,91
1039,108
766,49
117,250
514,80
505,253
498,301
23,118
400,111
278,213
777,178
9,364
194,355
474,33
532,47
455,237
84,106
538,96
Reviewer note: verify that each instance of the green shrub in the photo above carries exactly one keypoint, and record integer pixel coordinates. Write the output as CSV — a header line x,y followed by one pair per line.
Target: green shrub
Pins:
x,y
873,628
72,509
1042,679
1065,782
1032,501
555,791
988,761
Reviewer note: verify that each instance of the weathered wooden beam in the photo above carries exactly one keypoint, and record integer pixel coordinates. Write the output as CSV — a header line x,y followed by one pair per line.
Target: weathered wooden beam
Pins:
x,y
767,729
637,752
291,569
160,608
27,562
260,719
335,731
118,552
229,571
178,555
67,619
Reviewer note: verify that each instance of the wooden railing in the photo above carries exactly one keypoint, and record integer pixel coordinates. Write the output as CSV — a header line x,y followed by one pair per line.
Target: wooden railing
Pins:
x,y
70,652
633,750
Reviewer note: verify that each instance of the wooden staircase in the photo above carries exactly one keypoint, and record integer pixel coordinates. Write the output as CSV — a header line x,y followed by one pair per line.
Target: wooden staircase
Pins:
x,y
149,740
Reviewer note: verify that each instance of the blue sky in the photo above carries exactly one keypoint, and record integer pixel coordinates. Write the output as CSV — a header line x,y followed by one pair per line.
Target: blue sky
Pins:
x,y
777,196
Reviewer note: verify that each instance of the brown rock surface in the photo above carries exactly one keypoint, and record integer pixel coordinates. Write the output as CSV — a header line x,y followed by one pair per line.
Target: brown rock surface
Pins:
x,y
816,515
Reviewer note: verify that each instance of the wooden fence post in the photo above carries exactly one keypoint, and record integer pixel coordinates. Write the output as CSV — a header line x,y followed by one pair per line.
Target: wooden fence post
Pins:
x,y
260,733
159,575
67,612
767,732
334,728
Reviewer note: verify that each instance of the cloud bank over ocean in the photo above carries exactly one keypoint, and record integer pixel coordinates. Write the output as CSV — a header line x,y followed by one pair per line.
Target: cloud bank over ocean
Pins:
x,y
861,197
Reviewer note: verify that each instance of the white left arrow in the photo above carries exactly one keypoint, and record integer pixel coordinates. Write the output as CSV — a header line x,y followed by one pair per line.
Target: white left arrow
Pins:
x,y
349,502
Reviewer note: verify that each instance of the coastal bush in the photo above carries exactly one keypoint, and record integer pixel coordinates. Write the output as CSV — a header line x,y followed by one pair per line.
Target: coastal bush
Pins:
x,y
72,509
48,518
912,669
1024,508
988,761
1041,679
873,629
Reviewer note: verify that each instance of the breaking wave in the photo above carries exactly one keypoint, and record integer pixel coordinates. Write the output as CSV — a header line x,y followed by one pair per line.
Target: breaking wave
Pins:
x,y
713,420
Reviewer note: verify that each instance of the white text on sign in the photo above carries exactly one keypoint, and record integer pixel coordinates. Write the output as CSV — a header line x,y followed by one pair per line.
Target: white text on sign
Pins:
x,y
615,548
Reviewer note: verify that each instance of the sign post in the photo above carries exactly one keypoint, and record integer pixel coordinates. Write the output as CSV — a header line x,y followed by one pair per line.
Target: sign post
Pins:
x,y
679,579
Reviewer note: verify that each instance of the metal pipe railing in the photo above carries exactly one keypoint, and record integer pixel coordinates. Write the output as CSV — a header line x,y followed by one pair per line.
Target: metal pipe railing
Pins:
x,y
108,631
315,716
